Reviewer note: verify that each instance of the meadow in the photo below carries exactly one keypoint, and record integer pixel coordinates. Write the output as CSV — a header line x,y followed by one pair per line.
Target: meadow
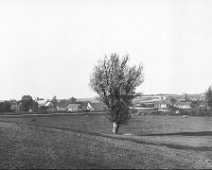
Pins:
x,y
137,125
86,141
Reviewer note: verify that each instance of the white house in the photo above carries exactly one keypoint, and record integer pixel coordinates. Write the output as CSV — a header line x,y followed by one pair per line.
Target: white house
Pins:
x,y
163,106
183,105
73,107
44,103
89,107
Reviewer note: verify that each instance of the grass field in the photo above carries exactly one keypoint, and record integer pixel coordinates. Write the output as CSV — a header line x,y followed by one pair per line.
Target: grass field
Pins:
x,y
138,125
155,142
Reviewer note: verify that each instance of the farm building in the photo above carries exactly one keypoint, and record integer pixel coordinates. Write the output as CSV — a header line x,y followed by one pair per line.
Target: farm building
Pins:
x,y
183,105
89,107
44,103
145,110
73,107
163,106
85,106
62,105
59,108
146,100
97,107
80,106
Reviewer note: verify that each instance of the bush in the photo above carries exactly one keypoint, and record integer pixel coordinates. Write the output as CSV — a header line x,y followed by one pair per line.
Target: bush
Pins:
x,y
42,111
26,103
5,106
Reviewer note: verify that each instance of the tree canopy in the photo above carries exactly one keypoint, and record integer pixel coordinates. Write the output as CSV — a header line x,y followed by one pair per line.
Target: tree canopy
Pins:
x,y
115,82
5,106
73,100
173,100
26,103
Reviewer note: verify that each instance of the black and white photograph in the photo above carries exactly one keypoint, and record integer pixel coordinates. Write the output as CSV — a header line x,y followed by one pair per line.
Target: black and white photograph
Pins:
x,y
105,84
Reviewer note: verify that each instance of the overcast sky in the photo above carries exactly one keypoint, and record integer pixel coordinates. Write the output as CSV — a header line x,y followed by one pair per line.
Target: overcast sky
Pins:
x,y
50,48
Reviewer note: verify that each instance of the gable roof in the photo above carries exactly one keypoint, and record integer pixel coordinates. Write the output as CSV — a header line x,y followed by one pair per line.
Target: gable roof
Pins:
x,y
84,105
98,106
42,102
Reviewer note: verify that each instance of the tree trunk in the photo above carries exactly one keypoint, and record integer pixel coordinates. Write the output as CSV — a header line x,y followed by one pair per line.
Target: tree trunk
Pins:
x,y
115,127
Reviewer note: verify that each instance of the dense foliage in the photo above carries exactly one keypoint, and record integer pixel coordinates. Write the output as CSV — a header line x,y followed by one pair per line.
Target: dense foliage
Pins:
x,y
26,103
115,83
72,100
173,101
5,106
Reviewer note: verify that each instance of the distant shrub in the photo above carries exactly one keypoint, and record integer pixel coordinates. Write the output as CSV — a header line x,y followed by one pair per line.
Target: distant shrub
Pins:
x,y
134,111
5,106
184,112
26,103
42,111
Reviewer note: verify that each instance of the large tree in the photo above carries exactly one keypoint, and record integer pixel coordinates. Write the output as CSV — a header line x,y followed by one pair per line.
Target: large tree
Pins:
x,y
209,97
73,100
26,103
115,82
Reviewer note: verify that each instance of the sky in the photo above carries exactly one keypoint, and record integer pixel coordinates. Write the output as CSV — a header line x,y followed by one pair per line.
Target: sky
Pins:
x,y
50,47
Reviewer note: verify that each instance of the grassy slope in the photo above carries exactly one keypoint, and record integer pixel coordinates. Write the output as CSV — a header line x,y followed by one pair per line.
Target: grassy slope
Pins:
x,y
191,132
97,152
29,147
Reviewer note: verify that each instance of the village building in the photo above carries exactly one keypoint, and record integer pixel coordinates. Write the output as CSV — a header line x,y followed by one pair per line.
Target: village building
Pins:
x,y
44,104
163,106
73,107
97,107
183,105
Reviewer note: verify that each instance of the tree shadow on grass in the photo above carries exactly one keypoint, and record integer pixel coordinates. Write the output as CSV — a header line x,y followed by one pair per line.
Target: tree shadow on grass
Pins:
x,y
201,133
